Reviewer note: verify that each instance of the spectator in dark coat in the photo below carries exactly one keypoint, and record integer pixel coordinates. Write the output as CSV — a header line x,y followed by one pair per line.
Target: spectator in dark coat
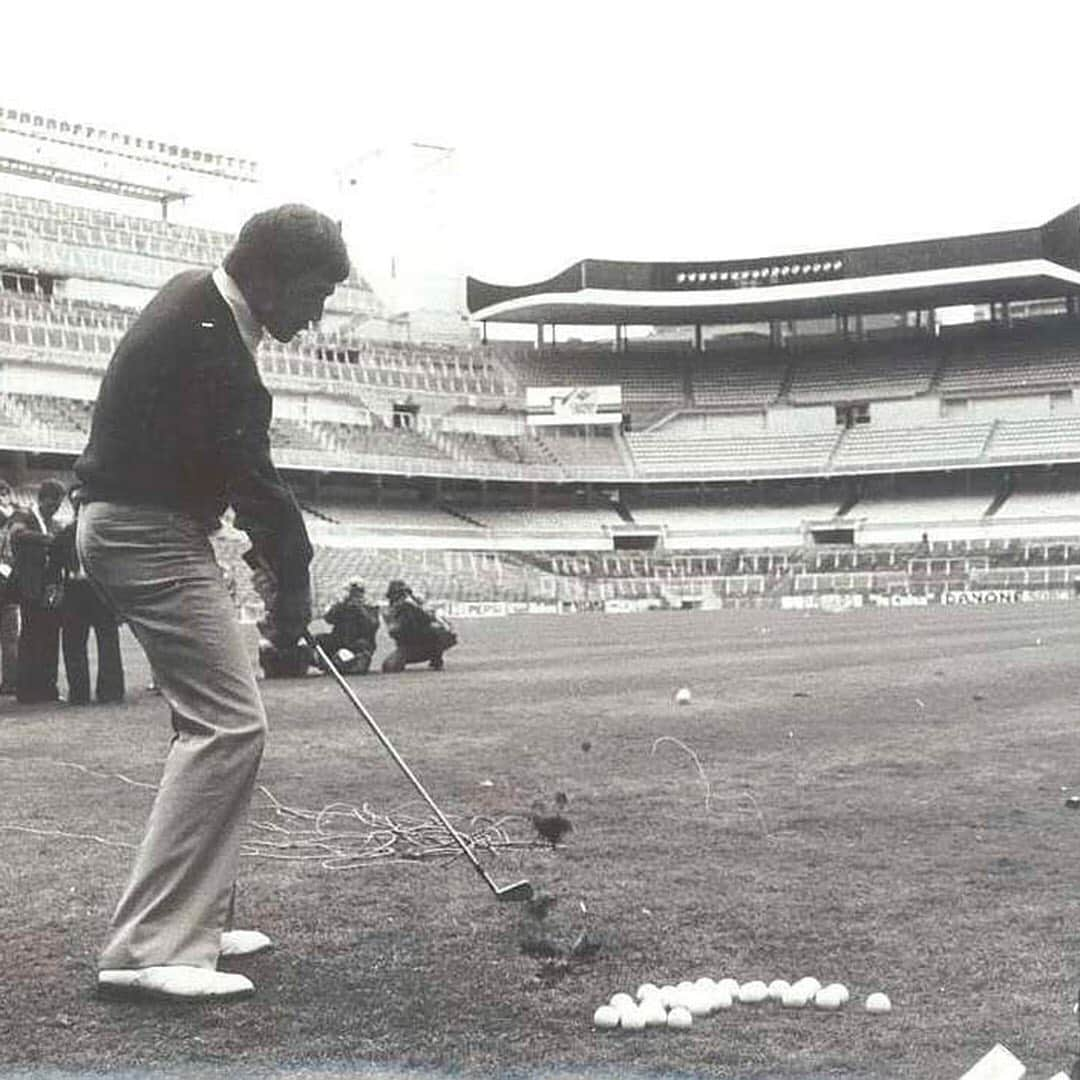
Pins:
x,y
355,623
37,587
84,609
420,636
9,604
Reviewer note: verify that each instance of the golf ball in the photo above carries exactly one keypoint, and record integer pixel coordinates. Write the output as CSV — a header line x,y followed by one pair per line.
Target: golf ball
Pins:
x,y
679,1017
720,998
606,1017
753,992
841,992
682,696
668,996
828,997
621,1001
794,997
705,983
730,985
653,1012
698,1002
647,990
777,988
632,1019
878,1003
808,984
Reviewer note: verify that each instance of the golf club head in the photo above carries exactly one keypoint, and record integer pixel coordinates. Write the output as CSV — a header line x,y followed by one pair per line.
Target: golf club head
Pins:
x,y
520,890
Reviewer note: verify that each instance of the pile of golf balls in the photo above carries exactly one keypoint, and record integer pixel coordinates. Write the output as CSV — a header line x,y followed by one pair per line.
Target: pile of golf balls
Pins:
x,y
679,1005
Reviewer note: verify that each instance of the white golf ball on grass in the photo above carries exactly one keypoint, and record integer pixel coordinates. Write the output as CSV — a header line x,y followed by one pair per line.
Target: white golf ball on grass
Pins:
x,y
878,1003
753,992
683,696
698,1002
606,1016
795,997
828,998
622,1001
653,1012
645,990
632,1019
730,985
680,1018
777,988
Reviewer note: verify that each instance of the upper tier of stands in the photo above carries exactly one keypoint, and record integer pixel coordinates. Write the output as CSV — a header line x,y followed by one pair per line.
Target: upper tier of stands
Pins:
x,y
875,371
85,334
79,238
79,226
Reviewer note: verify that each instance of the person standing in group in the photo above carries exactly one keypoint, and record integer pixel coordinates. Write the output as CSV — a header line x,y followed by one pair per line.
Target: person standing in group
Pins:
x,y
38,590
9,604
180,431
81,610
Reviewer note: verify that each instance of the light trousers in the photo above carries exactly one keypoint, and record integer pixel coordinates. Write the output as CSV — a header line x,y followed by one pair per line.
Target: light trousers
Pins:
x,y
157,569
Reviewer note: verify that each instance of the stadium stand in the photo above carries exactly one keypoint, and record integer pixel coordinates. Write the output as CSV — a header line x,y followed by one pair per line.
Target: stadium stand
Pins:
x,y
717,456
946,444
876,372
797,462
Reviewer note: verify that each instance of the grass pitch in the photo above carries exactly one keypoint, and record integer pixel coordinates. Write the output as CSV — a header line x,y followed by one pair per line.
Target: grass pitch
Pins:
x,y
876,798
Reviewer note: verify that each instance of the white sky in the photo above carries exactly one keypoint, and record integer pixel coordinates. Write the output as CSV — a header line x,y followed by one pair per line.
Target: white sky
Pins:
x,y
664,130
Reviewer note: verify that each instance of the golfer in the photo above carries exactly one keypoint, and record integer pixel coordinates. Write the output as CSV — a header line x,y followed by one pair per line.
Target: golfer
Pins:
x,y
180,432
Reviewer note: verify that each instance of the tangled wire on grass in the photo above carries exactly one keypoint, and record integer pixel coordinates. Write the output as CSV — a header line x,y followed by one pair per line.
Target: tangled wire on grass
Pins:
x,y
744,800
344,837
338,837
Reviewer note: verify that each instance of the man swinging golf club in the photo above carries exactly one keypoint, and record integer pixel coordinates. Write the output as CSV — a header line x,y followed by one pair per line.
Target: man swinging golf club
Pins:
x,y
181,431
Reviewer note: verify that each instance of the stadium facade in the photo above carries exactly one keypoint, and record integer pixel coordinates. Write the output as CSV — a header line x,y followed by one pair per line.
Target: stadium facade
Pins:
x,y
797,426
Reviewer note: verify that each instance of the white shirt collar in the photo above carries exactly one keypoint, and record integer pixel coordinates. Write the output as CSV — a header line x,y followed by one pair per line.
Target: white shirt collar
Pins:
x,y
250,328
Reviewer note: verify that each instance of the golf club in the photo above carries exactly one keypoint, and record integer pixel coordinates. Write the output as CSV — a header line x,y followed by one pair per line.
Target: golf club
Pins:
x,y
520,890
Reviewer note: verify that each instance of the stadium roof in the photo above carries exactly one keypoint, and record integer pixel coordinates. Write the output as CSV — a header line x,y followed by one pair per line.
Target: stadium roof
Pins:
x,y
1019,264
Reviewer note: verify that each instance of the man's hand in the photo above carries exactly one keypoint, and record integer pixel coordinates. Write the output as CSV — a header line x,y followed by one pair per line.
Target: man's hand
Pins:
x,y
288,611
290,615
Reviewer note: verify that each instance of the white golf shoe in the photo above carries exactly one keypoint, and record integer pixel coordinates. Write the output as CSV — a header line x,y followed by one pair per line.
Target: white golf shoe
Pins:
x,y
243,942
174,982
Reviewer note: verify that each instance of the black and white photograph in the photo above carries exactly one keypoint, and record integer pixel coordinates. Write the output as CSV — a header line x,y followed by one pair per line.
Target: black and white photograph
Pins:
x,y
539,541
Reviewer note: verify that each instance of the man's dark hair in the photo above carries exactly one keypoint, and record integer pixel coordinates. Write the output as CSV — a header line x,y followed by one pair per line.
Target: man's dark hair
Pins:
x,y
284,242
52,487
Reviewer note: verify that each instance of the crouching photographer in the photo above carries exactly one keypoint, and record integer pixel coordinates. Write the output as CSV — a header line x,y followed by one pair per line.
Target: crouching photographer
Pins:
x,y
420,635
354,627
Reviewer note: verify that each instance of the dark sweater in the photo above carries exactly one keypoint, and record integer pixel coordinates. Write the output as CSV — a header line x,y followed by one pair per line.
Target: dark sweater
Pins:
x,y
182,420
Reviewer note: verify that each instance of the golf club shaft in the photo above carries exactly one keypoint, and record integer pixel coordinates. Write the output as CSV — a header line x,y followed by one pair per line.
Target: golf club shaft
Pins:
x,y
325,660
